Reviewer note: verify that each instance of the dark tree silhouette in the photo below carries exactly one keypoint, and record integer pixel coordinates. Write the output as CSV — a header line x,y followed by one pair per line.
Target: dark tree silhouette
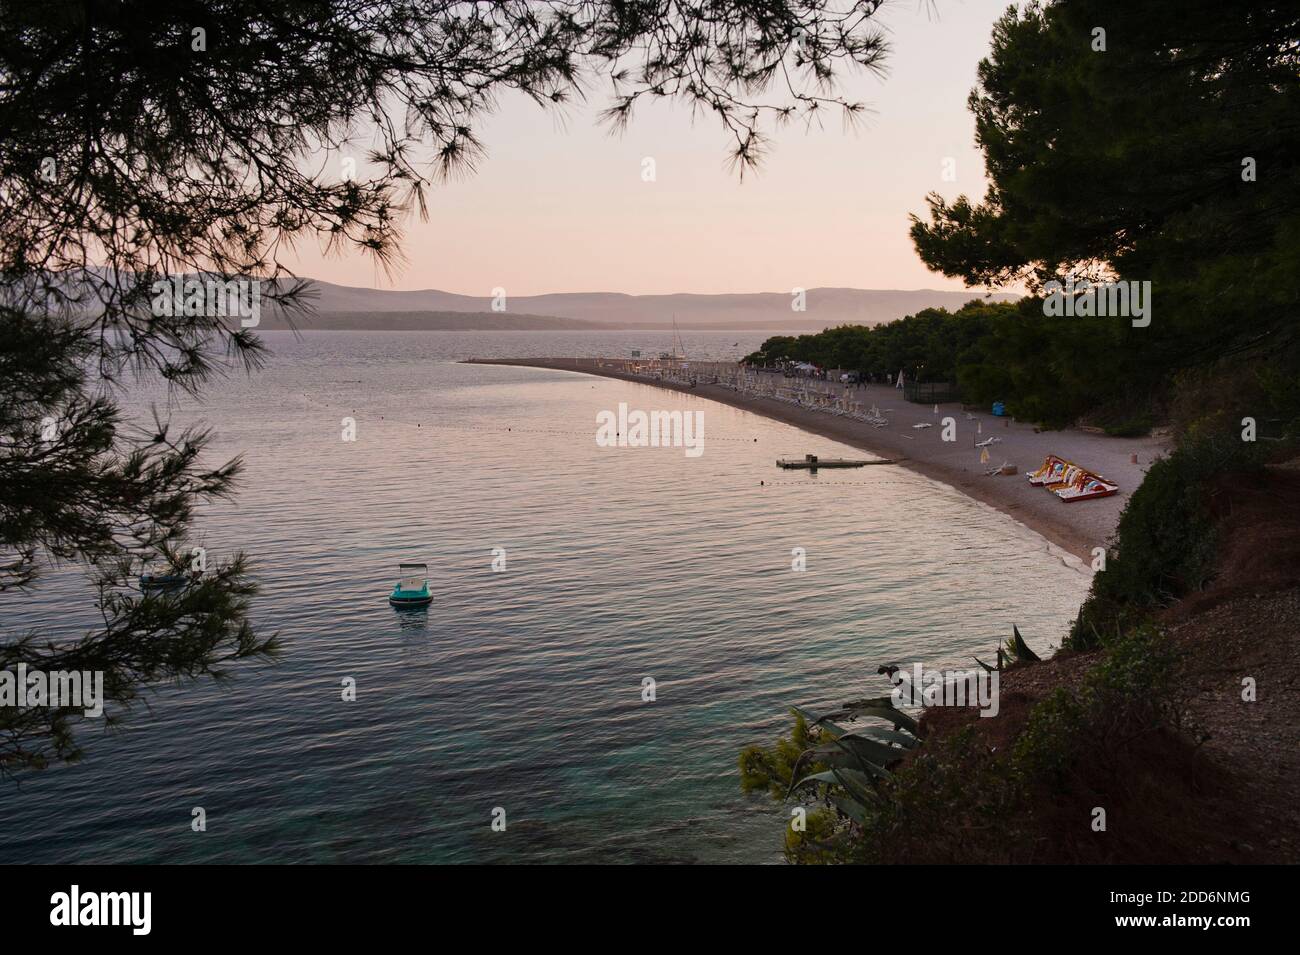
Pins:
x,y
147,139
1152,141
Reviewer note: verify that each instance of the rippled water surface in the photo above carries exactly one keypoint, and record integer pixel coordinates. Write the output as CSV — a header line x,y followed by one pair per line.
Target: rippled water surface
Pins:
x,y
520,689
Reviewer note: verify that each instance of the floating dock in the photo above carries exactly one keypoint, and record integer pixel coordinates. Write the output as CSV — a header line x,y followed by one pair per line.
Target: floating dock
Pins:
x,y
811,462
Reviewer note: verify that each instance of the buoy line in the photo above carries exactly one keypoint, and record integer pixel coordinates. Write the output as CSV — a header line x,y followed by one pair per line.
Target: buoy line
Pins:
x,y
487,430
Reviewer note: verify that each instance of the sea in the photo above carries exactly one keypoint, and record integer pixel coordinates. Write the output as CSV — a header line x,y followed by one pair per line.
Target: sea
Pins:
x,y
610,626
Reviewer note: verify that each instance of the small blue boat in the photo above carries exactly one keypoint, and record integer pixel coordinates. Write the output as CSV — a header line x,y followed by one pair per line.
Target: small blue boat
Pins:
x,y
412,588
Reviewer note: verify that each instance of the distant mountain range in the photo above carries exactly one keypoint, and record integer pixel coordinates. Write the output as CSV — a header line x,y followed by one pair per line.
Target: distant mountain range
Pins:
x,y
341,306
423,321
348,307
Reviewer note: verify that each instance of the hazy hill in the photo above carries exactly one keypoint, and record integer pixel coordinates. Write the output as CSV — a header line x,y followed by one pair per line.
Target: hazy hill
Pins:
x,y
825,307
425,321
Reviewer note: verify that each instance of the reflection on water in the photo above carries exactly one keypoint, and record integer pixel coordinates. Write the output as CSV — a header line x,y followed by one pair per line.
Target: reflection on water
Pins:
x,y
411,618
519,689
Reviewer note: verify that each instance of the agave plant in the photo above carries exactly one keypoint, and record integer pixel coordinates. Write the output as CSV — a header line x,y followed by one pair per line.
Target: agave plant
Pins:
x,y
1014,651
849,760
845,755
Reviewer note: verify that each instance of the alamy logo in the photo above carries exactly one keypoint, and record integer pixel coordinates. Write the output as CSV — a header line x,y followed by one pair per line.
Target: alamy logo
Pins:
x,y
926,687
75,907
654,429
82,689
210,298
1088,300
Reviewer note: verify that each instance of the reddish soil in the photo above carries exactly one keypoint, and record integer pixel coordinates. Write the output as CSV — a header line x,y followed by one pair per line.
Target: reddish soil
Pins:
x,y
1223,789
1259,538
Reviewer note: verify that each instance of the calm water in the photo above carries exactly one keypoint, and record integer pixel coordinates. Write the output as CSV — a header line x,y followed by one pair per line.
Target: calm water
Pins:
x,y
520,689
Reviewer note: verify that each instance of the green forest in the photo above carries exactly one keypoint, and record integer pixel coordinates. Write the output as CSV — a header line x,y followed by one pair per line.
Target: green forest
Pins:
x,y
1141,153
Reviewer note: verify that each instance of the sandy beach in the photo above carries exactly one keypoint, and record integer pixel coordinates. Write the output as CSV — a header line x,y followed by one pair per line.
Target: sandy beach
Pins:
x,y
1075,527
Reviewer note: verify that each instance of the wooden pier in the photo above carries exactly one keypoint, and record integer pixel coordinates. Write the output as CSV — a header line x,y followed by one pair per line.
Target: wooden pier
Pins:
x,y
811,462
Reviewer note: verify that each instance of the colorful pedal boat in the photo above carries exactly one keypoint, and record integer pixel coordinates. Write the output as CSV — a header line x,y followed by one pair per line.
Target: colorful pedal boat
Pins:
x,y
1085,487
1070,482
1052,471
1067,479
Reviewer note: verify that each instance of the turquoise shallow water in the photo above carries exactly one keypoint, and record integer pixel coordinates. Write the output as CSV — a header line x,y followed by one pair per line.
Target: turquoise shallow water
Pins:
x,y
520,689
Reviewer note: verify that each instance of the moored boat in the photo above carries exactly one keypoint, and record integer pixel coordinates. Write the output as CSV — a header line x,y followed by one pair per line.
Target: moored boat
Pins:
x,y
1086,486
1070,482
412,588
1051,471
162,577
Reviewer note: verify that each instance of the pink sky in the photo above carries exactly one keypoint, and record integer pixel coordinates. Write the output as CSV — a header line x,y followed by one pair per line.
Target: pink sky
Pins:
x,y
559,205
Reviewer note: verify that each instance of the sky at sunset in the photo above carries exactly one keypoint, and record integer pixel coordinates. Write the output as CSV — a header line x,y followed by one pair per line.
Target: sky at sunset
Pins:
x,y
559,204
